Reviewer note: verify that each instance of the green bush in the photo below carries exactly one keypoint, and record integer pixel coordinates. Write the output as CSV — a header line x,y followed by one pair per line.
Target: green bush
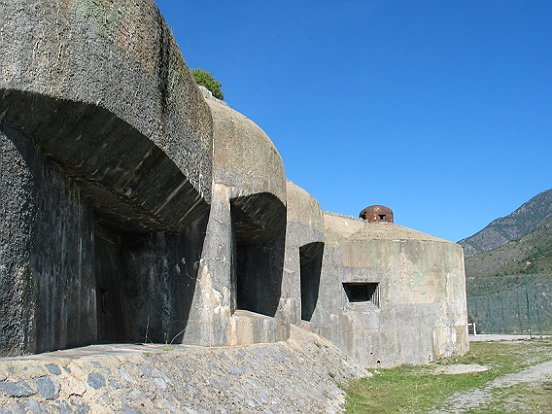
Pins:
x,y
204,78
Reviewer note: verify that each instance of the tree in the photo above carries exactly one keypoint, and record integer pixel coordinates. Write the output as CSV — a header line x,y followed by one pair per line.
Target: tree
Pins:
x,y
204,78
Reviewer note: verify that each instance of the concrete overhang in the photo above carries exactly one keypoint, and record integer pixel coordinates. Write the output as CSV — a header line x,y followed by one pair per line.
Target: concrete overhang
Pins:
x,y
246,162
104,92
304,213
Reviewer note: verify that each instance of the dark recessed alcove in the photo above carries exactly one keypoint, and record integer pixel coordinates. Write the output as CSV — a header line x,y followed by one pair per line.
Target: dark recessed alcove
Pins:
x,y
145,282
110,278
110,229
258,227
310,257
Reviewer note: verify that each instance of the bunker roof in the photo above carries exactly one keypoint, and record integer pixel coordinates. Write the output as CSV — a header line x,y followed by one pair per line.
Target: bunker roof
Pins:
x,y
339,227
391,231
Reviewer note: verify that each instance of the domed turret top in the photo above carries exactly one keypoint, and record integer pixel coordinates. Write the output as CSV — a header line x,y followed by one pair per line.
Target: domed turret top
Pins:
x,y
377,214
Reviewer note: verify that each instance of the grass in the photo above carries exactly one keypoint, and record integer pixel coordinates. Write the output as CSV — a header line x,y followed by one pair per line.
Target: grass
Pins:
x,y
523,398
417,389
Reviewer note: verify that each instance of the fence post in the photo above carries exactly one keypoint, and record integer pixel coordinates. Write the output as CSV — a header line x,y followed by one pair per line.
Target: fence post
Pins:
x,y
490,328
519,313
536,302
528,308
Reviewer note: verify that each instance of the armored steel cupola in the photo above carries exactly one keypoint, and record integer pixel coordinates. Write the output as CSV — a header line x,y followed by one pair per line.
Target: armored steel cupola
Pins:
x,y
377,214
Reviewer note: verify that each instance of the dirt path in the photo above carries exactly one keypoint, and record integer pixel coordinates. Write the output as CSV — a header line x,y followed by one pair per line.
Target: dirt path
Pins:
x,y
461,402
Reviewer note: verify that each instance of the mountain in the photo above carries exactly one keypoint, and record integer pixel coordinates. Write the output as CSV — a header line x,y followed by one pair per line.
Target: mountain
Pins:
x,y
520,243
526,219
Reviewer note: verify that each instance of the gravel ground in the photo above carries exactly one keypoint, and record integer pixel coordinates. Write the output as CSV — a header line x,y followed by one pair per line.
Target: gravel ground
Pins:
x,y
461,402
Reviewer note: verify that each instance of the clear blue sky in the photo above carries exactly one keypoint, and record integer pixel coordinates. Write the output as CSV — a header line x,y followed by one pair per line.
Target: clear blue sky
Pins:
x,y
441,110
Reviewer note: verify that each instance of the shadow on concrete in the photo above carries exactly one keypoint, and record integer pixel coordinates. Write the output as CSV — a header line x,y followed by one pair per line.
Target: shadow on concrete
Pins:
x,y
310,256
115,228
259,232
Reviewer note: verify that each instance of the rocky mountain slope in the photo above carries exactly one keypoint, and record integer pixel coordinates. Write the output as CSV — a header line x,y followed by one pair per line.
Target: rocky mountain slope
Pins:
x,y
529,218
518,243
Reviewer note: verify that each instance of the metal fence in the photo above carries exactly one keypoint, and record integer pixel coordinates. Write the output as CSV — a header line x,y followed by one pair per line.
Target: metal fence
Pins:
x,y
515,304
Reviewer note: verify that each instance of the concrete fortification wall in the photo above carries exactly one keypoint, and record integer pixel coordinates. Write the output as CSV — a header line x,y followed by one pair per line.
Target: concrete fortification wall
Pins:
x,y
135,208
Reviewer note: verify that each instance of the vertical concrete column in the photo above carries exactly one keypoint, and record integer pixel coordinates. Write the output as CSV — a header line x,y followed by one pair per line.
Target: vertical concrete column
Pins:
x,y
304,251
47,275
17,287
213,302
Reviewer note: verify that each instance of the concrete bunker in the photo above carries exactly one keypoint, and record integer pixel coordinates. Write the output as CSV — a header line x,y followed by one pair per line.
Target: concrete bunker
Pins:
x,y
310,259
415,276
305,244
106,177
259,230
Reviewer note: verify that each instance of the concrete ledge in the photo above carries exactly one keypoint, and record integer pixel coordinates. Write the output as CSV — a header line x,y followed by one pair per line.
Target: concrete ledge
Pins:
x,y
135,184
244,157
250,328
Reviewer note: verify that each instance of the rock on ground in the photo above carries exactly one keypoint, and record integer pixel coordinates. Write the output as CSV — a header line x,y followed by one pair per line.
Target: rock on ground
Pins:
x,y
457,369
301,375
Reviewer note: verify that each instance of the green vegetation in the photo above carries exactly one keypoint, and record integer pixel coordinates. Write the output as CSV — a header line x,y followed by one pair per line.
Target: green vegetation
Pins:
x,y
538,261
412,390
523,398
204,78
509,287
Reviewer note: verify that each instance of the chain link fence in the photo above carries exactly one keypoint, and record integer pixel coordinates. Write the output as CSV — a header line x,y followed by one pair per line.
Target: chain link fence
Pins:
x,y
515,304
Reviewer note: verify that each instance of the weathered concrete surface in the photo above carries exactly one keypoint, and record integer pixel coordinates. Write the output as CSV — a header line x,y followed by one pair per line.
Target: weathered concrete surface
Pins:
x,y
117,56
304,251
243,257
244,157
106,144
297,376
46,255
421,314
69,279
136,208
79,79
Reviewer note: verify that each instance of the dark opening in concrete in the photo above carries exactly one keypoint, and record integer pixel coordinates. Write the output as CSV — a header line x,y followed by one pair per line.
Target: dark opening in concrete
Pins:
x,y
109,285
145,282
382,217
111,229
310,256
259,227
362,292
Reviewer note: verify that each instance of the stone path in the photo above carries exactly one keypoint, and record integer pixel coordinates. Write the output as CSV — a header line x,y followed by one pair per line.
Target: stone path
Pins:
x,y
461,402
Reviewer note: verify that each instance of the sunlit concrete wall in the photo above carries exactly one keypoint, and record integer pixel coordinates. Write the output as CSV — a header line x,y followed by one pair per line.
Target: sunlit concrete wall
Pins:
x,y
137,207
419,314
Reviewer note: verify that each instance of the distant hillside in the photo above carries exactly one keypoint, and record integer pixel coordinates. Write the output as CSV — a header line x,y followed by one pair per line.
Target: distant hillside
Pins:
x,y
515,244
528,218
530,254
